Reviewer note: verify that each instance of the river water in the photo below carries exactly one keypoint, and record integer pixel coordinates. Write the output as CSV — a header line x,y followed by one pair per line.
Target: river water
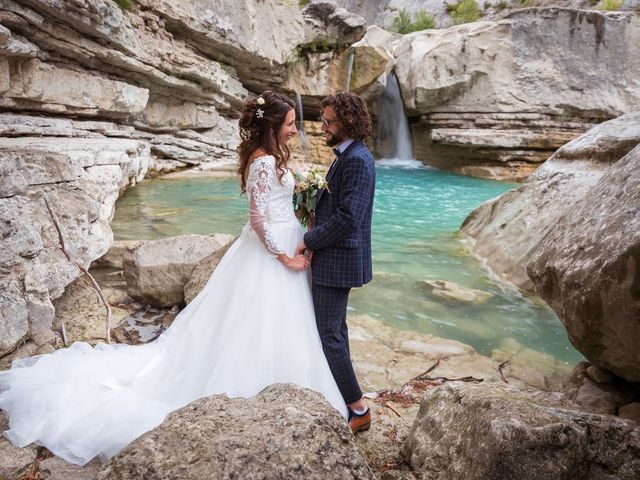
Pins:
x,y
418,211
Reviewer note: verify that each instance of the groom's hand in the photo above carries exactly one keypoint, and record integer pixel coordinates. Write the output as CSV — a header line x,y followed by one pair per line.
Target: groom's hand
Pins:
x,y
302,250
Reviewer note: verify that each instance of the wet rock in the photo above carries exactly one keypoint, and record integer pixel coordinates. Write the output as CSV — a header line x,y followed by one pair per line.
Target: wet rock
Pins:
x,y
453,292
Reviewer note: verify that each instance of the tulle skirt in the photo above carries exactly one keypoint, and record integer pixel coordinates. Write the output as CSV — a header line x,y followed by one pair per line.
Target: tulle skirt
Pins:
x,y
252,325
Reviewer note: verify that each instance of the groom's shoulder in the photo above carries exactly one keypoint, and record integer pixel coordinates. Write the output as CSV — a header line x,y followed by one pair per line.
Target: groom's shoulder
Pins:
x,y
359,149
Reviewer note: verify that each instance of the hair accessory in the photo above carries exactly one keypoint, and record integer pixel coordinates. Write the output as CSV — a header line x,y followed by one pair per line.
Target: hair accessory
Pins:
x,y
259,113
245,134
260,101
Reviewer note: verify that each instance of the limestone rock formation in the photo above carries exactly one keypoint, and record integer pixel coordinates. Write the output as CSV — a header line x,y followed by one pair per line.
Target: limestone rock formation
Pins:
x,y
496,99
156,271
283,432
93,98
495,431
81,182
202,272
588,270
508,230
599,391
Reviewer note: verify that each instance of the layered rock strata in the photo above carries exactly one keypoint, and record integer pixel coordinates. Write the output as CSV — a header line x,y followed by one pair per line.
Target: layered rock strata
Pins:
x,y
496,99
93,98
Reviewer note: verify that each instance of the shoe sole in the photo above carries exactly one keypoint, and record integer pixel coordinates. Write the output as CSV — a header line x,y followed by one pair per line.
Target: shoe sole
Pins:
x,y
362,428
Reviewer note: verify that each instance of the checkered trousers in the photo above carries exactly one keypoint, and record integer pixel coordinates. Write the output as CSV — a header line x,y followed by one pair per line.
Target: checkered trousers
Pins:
x,y
330,305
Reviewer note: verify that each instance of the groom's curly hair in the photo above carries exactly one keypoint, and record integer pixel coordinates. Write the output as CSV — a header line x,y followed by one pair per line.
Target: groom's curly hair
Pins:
x,y
352,113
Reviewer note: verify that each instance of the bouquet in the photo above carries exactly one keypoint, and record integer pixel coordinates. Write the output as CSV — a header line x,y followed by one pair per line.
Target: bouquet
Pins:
x,y
305,194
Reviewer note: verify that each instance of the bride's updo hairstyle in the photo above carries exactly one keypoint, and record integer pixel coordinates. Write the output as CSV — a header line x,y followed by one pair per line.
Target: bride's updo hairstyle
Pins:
x,y
261,120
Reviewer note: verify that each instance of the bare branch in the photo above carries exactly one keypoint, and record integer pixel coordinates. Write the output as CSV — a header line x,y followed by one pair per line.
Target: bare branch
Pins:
x,y
94,284
500,367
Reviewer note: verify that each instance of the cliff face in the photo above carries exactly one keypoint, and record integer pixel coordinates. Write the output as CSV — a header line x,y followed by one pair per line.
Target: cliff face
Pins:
x,y
94,98
497,99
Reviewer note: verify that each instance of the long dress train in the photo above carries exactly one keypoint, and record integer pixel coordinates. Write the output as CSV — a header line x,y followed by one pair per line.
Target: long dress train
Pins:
x,y
251,326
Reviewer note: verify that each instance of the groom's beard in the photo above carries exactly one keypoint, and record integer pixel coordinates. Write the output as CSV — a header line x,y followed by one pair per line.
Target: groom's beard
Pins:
x,y
333,139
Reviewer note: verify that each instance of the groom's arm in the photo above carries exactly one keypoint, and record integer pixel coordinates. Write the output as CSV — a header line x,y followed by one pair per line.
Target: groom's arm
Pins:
x,y
355,194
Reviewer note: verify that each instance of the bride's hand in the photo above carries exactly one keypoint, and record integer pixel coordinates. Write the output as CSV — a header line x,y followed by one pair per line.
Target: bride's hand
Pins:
x,y
299,262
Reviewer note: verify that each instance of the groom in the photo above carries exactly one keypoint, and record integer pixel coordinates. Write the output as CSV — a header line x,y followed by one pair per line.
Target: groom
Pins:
x,y
341,239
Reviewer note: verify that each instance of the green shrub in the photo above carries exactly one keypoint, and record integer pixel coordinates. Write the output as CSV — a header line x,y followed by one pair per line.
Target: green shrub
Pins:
x,y
303,3
465,11
611,5
402,23
501,5
124,4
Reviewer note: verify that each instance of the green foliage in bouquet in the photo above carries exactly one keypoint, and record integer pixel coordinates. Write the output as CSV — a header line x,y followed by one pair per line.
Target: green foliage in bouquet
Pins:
x,y
305,194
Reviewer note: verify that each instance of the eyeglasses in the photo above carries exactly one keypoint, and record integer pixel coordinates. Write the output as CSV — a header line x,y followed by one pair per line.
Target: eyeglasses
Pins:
x,y
327,123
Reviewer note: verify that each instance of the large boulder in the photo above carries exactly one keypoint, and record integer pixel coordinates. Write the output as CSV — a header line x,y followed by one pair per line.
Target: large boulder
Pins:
x,y
156,271
496,431
588,269
507,231
202,272
283,432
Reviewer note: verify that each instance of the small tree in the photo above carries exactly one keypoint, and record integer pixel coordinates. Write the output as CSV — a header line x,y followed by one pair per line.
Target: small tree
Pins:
x,y
611,5
465,11
402,23
423,21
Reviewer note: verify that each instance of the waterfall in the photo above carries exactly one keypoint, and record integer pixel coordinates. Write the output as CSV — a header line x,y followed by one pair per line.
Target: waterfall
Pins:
x,y
350,69
304,141
394,139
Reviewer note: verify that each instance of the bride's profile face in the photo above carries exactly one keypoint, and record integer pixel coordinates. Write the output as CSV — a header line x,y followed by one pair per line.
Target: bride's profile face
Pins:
x,y
288,128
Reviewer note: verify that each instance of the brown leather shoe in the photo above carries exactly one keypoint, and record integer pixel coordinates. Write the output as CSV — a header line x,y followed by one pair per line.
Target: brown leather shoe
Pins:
x,y
359,423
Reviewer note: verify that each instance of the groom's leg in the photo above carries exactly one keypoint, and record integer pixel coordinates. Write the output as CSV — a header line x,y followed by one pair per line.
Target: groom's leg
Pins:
x,y
330,305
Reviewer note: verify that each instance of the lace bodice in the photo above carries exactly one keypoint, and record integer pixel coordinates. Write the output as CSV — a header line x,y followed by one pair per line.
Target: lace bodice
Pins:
x,y
269,200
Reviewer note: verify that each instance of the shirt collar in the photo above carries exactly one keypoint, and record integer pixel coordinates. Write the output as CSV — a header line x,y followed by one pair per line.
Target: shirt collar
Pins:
x,y
339,149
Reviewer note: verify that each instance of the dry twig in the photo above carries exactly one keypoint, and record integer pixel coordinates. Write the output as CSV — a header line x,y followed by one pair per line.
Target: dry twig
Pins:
x,y
93,283
500,367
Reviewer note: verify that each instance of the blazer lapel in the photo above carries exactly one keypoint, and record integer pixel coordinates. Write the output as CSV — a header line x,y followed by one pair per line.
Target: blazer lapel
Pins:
x,y
334,167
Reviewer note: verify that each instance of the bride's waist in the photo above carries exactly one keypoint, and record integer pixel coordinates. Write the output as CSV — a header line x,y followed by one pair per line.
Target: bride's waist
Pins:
x,y
280,223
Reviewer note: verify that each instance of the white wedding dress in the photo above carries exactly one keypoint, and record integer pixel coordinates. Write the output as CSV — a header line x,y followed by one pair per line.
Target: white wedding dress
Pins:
x,y
251,326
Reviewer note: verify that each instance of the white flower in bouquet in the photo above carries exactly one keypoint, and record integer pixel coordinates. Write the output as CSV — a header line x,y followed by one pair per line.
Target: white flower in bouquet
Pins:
x,y
305,194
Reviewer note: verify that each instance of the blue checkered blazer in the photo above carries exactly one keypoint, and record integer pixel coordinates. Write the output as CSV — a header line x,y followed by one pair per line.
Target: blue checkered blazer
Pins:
x,y
341,237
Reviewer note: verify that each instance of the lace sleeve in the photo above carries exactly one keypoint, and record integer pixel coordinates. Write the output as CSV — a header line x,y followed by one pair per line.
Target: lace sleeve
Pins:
x,y
262,175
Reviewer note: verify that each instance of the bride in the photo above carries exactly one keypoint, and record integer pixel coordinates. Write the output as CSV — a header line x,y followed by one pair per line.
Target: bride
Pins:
x,y
251,326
